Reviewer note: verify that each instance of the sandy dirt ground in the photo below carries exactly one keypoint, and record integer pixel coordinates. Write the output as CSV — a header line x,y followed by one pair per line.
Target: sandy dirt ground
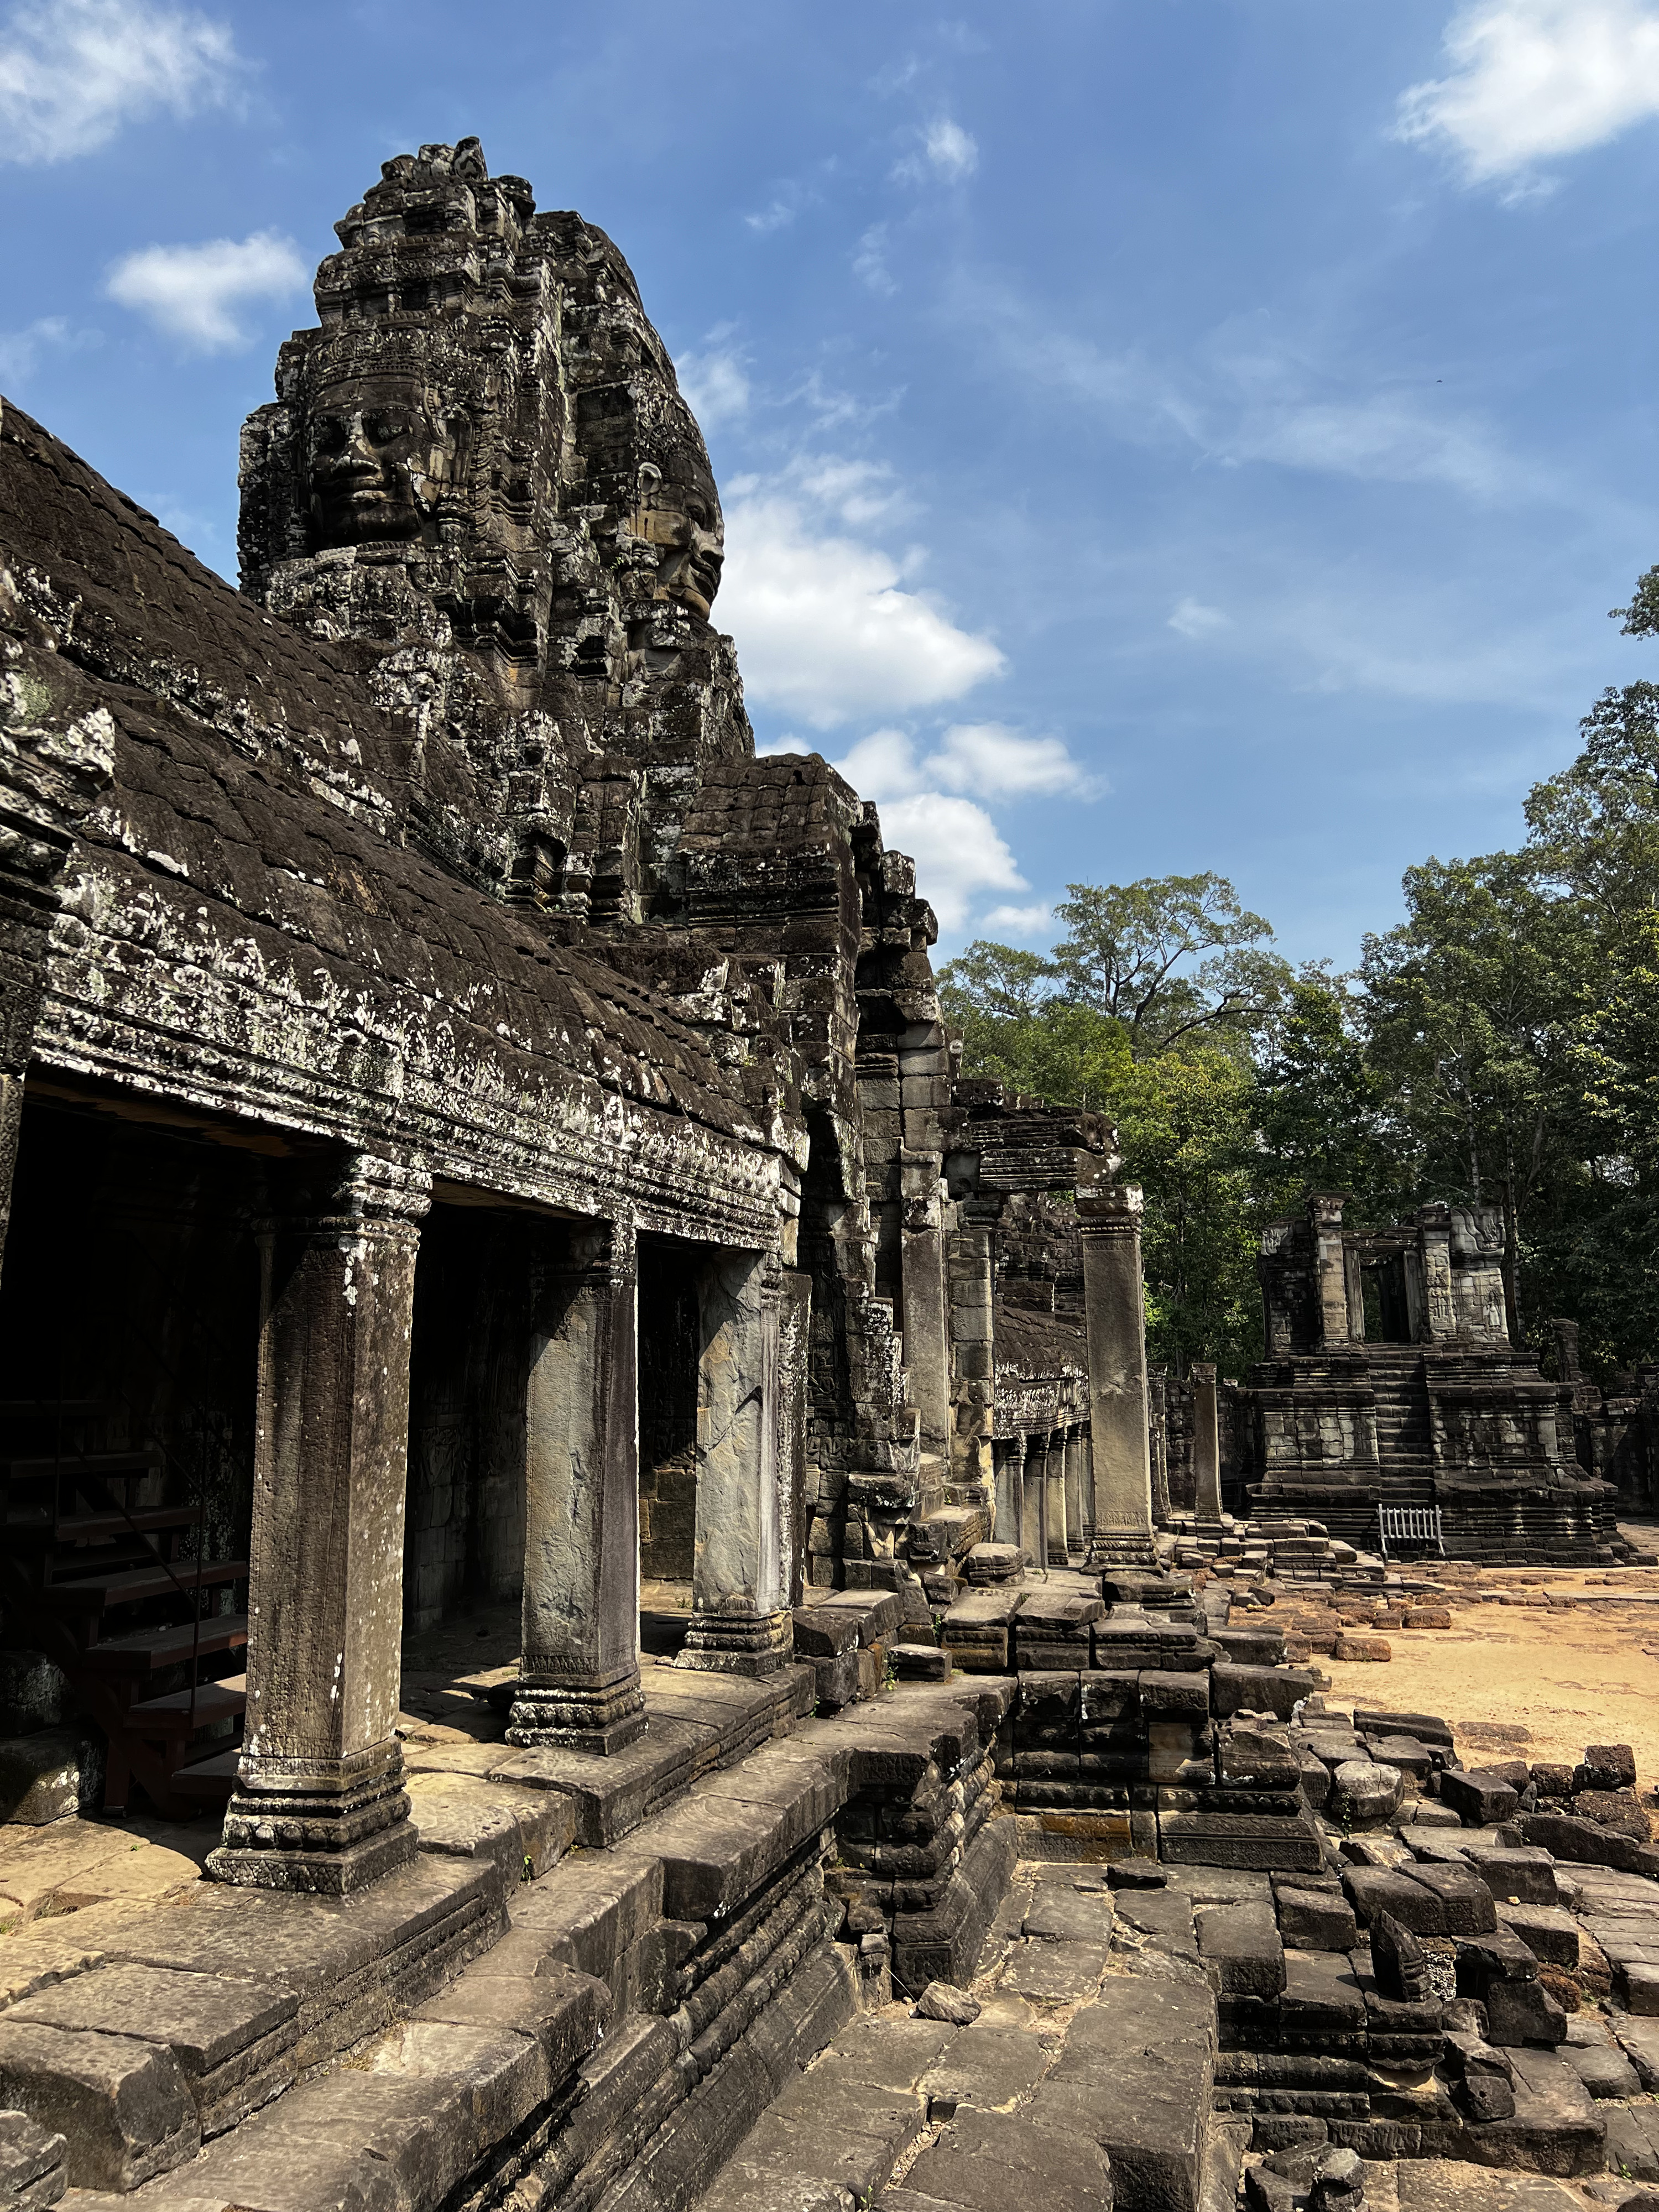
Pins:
x,y
1528,1682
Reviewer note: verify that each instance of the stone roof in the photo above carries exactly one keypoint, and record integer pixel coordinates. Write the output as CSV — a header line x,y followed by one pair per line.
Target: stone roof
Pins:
x,y
248,918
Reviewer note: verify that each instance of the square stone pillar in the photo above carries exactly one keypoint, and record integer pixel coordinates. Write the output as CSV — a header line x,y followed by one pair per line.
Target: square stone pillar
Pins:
x,y
319,1802
1007,1459
579,1682
1077,1519
1034,1492
1330,1268
926,1307
1207,1443
1115,1314
740,1618
1059,1553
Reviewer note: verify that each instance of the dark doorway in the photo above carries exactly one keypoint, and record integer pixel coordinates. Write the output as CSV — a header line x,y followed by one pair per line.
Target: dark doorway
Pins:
x,y
1388,1314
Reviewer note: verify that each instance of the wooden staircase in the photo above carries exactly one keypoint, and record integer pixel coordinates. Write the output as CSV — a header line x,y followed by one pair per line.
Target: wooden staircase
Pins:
x,y
111,1588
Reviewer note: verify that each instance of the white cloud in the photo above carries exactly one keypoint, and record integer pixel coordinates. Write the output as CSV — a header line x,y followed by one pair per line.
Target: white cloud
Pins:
x,y
1020,921
951,150
957,850
72,72
998,763
1536,78
189,291
956,846
824,629
1250,394
776,217
870,262
22,351
715,384
1193,619
947,151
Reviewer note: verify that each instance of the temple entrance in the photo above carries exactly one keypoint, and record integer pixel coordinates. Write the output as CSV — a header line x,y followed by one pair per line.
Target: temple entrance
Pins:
x,y
129,1326
1388,1312
669,1345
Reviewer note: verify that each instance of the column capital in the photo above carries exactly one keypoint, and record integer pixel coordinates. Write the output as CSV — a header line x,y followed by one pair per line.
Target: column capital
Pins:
x,y
363,1194
1112,1209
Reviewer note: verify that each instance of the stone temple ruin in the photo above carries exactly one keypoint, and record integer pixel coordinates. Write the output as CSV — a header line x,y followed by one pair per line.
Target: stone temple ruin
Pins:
x,y
479,1144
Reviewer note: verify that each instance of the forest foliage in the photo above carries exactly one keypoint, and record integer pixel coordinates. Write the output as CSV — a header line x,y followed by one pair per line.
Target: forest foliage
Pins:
x,y
1499,1044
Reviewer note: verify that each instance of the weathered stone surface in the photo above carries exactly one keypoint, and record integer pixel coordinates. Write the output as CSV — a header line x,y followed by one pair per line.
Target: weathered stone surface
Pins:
x,y
1365,1795
122,2105
1480,1800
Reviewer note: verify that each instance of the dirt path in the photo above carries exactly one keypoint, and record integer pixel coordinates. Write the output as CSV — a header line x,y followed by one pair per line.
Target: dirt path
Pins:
x,y
1566,1677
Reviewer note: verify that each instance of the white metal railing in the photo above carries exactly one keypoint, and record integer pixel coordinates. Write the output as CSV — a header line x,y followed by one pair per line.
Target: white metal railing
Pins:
x,y
1410,1524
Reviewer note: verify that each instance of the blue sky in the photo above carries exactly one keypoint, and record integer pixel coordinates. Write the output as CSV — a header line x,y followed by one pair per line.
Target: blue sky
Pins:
x,y
1155,434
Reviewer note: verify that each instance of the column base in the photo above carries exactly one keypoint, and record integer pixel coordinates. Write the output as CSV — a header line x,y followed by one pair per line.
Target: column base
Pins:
x,y
738,1643
1122,1548
600,1716
327,1843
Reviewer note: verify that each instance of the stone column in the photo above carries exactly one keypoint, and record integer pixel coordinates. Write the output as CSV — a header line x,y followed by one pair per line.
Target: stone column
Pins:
x,y
1077,1520
1006,1459
1207,1443
1033,1522
1059,1551
578,1673
926,1334
319,1802
1087,1449
973,1380
740,1619
1330,1270
1114,1297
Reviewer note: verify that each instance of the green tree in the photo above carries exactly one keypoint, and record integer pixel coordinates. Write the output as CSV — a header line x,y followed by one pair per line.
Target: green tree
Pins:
x,y
1324,1110
1476,1009
1166,956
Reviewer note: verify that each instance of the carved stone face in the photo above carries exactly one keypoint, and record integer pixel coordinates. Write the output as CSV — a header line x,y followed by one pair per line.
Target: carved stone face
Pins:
x,y
680,513
377,457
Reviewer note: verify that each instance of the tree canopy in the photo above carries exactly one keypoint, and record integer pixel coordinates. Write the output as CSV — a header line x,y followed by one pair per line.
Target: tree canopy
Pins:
x,y
1499,1044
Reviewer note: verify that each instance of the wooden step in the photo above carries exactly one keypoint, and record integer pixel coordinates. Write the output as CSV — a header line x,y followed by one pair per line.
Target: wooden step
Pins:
x,y
148,1650
126,1587
81,1467
175,1716
211,1779
98,1527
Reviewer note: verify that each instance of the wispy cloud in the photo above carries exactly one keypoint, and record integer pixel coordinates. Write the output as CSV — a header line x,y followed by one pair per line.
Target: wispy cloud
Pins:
x,y
1250,394
192,292
870,261
22,352
778,215
1193,619
716,381
824,622
73,72
1532,80
946,151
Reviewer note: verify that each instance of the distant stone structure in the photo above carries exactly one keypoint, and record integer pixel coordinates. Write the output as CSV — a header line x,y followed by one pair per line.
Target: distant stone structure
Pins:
x,y
1390,1379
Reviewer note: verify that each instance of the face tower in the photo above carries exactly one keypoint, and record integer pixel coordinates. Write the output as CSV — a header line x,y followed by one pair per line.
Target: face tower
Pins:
x,y
479,469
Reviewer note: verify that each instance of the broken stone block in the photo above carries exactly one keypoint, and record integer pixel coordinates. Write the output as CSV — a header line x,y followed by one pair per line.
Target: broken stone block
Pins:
x,y
1617,1809
32,2175
1518,1874
1481,1799
1241,1949
1603,2068
1310,1920
1252,1756
919,1662
1338,2183
1275,1690
1374,1649
1365,1795
1398,1962
1523,2012
32,1694
1605,1766
1135,1873
121,2104
51,1775
942,2001
1549,1933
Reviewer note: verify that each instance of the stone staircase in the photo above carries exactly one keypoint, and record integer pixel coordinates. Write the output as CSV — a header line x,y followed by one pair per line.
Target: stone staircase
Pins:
x,y
110,1583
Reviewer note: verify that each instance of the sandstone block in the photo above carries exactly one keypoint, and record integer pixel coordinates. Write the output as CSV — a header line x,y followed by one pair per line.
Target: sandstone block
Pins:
x,y
122,2105
1369,1648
